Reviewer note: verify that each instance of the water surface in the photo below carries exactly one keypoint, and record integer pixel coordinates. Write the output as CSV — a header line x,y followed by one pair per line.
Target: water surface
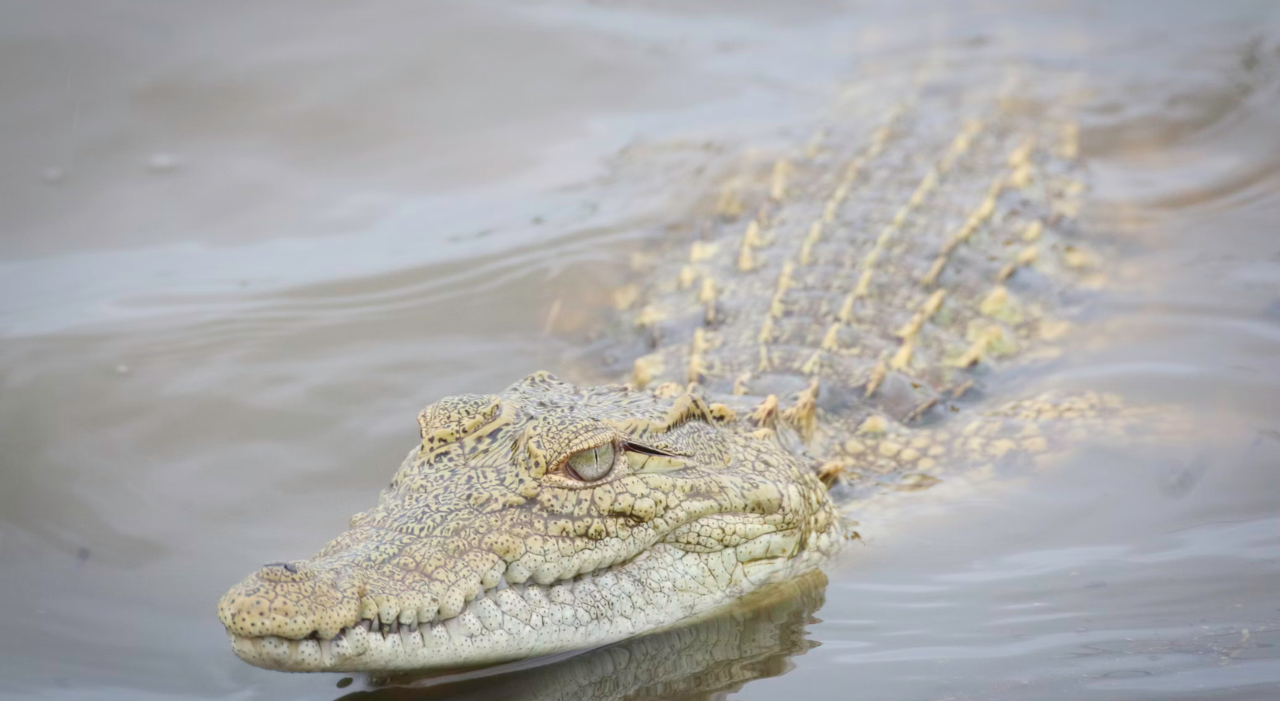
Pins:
x,y
242,244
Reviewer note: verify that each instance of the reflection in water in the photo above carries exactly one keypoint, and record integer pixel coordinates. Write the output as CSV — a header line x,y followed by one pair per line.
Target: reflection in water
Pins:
x,y
755,639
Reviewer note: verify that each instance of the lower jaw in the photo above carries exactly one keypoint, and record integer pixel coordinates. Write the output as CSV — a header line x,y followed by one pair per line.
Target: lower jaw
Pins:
x,y
355,650
522,622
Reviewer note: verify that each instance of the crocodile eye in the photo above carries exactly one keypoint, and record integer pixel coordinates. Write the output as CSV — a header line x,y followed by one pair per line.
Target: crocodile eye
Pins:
x,y
591,464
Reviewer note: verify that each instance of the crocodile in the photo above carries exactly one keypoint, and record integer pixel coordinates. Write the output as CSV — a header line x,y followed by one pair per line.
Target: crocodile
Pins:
x,y
823,333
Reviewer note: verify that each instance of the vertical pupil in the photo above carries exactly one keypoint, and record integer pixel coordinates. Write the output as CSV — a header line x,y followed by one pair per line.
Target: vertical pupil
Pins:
x,y
604,459
593,463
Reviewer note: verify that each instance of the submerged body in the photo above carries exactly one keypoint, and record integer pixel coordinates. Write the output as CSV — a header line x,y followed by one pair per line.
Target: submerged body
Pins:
x,y
834,306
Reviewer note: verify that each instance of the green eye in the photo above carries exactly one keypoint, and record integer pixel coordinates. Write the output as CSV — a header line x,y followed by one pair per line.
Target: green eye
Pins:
x,y
591,464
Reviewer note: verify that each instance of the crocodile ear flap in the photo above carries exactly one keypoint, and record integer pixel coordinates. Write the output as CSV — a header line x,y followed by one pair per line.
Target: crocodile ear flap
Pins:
x,y
647,459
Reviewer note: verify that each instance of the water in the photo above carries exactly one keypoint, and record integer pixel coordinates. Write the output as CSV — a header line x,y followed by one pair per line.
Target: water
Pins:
x,y
243,244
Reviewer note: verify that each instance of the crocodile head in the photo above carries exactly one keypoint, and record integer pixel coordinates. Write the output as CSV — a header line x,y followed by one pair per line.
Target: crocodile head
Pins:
x,y
547,518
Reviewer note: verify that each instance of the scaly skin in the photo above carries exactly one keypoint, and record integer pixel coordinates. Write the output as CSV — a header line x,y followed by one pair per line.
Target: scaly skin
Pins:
x,y
486,500
832,309
752,639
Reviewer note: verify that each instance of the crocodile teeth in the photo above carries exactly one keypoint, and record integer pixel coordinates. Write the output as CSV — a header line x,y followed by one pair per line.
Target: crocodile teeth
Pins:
x,y
387,612
358,639
342,645
409,639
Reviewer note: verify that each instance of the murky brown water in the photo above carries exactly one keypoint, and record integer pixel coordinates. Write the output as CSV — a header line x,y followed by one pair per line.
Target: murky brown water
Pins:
x,y
241,244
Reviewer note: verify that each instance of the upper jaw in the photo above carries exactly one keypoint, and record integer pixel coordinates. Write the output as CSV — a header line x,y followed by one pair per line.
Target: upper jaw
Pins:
x,y
370,638
352,580
502,622
658,588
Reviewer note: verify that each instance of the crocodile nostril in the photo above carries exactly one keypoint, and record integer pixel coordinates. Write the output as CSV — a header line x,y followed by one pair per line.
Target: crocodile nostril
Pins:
x,y
288,566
